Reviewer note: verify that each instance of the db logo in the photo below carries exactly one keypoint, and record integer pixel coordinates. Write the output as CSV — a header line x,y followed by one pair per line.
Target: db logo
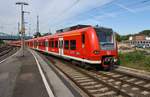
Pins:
x,y
108,52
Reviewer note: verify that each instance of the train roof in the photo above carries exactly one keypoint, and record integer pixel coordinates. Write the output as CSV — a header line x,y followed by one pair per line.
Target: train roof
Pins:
x,y
73,31
72,28
103,29
77,27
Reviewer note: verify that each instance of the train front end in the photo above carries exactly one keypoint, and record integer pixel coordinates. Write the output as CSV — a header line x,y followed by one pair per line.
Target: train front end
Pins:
x,y
108,51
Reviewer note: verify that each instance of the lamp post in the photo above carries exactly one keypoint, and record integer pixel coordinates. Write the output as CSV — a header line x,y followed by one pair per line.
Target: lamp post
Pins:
x,y
22,25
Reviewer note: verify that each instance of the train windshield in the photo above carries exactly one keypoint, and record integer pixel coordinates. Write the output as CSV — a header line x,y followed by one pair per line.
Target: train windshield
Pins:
x,y
106,38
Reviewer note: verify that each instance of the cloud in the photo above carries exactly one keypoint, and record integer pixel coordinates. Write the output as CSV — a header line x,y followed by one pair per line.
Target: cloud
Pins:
x,y
52,13
126,8
83,7
56,14
142,9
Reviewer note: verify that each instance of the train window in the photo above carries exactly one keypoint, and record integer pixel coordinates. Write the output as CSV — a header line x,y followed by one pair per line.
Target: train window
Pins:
x,y
83,38
60,43
72,44
56,44
46,43
66,46
30,44
52,44
34,43
43,43
38,43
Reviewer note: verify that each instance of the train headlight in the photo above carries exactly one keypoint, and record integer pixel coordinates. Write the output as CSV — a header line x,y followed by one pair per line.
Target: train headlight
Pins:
x,y
115,60
96,52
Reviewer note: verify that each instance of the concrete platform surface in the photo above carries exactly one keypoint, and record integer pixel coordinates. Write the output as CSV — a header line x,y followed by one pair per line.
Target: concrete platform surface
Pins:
x,y
58,87
20,77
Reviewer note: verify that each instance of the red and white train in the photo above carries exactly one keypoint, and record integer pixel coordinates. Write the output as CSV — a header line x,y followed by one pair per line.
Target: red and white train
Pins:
x,y
82,43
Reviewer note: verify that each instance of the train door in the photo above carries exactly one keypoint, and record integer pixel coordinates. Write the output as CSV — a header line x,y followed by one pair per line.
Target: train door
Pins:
x,y
37,47
46,44
61,42
83,45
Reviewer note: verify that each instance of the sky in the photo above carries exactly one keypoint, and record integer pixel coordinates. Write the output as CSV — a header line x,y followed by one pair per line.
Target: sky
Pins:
x,y
123,16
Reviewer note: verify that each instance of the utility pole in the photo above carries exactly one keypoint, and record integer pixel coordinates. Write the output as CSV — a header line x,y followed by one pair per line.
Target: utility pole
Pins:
x,y
37,33
22,25
18,27
37,28
18,30
29,29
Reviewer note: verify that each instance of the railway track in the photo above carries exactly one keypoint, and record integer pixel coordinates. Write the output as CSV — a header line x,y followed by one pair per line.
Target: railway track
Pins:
x,y
4,48
133,85
127,78
7,51
104,84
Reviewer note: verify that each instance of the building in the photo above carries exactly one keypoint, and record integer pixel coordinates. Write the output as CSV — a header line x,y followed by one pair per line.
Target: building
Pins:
x,y
141,41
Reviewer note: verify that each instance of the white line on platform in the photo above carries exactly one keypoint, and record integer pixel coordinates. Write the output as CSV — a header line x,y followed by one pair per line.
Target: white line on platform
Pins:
x,y
50,93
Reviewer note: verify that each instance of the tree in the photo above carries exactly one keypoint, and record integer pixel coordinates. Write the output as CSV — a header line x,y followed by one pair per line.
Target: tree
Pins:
x,y
45,34
145,32
1,42
125,37
37,34
118,37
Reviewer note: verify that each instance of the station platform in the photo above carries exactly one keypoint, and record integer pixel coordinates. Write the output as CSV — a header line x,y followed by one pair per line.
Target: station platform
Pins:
x,y
24,77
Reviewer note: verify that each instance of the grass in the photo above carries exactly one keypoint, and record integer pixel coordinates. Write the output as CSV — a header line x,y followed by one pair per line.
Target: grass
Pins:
x,y
1,42
136,60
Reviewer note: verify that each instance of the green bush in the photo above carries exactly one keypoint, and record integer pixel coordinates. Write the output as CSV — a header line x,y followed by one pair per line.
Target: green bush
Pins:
x,y
136,59
1,42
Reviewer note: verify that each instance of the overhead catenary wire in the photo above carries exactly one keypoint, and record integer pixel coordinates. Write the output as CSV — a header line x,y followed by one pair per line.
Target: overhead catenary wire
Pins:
x,y
134,4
